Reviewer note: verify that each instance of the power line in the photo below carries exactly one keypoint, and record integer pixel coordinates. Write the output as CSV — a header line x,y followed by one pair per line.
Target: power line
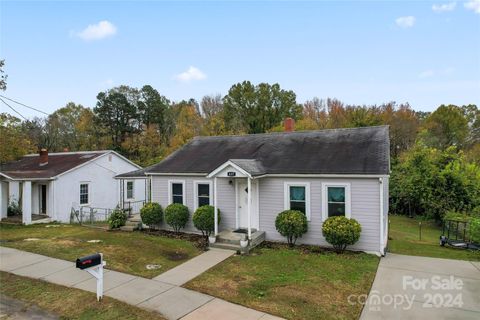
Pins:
x,y
13,109
24,105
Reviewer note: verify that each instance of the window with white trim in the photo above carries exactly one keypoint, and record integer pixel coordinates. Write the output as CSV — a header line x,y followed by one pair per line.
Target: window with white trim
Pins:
x,y
130,190
203,194
177,192
297,197
84,193
336,200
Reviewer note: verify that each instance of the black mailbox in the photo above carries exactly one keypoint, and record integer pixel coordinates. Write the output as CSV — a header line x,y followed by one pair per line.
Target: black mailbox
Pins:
x,y
89,261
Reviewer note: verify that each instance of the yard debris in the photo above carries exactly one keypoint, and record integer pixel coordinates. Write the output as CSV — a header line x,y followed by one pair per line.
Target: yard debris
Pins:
x,y
153,266
52,226
31,239
94,241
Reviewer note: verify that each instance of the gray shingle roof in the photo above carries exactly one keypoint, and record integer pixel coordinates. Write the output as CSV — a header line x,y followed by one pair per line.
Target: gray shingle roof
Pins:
x,y
335,151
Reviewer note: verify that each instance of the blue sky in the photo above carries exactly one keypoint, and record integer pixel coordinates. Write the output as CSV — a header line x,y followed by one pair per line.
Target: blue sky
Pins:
x,y
421,52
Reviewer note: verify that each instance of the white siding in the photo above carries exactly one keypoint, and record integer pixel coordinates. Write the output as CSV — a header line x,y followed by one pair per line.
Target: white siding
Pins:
x,y
103,187
226,198
365,200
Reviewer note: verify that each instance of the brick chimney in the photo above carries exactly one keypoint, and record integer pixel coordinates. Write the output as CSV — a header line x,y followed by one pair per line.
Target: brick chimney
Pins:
x,y
43,157
289,125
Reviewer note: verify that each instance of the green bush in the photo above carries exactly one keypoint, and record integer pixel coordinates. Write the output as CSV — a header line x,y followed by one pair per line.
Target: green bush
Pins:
x,y
176,215
13,208
456,216
474,230
152,214
117,218
341,232
204,220
291,224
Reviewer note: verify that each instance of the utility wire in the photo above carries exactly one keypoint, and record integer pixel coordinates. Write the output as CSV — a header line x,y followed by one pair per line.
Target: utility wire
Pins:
x,y
13,109
24,105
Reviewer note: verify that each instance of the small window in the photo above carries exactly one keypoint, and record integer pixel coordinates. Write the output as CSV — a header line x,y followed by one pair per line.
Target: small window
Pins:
x,y
336,201
298,198
177,193
84,193
203,194
130,194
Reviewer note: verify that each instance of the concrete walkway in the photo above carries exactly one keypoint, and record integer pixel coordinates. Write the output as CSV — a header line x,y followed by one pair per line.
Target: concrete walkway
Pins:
x,y
162,294
408,287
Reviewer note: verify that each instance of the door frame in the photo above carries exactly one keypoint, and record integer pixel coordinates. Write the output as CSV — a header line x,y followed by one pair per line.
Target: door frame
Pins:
x,y
41,203
255,222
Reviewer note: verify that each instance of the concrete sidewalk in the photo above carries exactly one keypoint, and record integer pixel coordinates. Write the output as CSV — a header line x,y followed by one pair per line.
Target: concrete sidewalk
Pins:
x,y
408,287
165,297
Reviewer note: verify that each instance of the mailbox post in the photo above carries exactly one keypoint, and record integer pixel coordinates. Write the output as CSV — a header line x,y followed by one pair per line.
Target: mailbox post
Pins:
x,y
93,264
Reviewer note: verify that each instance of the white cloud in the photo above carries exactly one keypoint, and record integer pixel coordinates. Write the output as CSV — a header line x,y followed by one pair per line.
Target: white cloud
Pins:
x,y
473,5
405,22
191,74
426,74
444,7
98,31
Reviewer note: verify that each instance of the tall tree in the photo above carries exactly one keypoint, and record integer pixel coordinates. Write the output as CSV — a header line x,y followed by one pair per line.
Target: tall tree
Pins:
x,y
63,122
259,108
14,142
3,77
153,109
445,127
117,113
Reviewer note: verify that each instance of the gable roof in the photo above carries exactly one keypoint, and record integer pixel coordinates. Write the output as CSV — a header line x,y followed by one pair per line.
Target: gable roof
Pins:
x,y
28,167
363,150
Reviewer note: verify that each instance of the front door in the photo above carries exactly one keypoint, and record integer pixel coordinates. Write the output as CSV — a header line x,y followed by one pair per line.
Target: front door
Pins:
x,y
43,198
242,198
242,192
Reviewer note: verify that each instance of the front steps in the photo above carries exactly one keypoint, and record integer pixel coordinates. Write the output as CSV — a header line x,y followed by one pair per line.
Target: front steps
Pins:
x,y
230,240
133,223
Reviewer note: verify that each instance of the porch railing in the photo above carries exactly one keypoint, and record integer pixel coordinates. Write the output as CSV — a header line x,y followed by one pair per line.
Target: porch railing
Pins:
x,y
91,216
133,207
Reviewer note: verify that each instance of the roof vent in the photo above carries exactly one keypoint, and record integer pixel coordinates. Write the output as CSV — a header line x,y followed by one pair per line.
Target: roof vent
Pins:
x,y
43,160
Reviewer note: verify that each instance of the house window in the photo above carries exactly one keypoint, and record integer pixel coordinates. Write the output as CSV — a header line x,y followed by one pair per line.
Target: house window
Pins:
x,y
203,194
130,193
176,192
84,193
297,197
336,200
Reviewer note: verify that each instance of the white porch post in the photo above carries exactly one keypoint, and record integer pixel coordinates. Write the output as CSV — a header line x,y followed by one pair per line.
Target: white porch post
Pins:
x,y
3,199
215,204
249,207
27,202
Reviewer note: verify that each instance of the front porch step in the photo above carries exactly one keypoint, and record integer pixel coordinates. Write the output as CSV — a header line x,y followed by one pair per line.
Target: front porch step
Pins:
x,y
230,240
132,223
135,218
228,246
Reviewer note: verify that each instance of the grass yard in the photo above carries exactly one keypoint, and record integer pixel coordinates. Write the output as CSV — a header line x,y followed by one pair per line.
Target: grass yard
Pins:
x,y
404,239
292,283
68,303
127,252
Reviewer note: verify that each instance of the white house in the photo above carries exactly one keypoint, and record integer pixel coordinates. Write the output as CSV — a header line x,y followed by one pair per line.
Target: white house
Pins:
x,y
51,184
252,178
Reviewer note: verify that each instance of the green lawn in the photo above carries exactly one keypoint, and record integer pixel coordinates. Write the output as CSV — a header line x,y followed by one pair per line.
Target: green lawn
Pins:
x,y
69,303
404,239
127,252
292,283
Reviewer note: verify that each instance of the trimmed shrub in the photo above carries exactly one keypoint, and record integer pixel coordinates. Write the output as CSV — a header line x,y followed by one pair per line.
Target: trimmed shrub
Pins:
x,y
13,208
204,220
117,218
152,214
176,215
341,232
291,224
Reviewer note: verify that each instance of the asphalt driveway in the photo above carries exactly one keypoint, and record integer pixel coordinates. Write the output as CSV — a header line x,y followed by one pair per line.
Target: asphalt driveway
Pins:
x,y
408,287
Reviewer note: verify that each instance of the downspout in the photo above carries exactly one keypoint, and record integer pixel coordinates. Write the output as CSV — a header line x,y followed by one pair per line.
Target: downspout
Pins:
x,y
382,247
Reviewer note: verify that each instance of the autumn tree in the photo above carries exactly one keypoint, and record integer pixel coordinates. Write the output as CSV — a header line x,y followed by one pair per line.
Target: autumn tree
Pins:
x,y
257,109
14,143
153,110
445,127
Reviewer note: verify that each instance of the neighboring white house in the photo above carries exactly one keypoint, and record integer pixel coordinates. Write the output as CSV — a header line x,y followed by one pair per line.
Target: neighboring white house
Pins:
x,y
51,184
252,178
